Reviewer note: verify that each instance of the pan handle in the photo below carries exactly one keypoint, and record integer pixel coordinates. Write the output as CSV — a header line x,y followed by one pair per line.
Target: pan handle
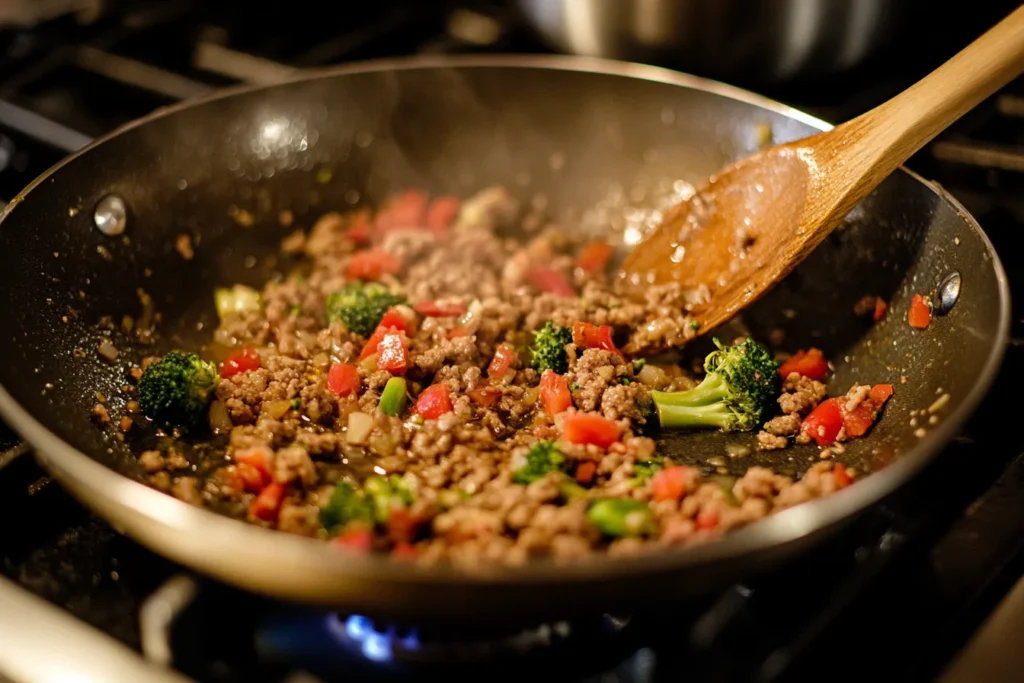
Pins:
x,y
63,140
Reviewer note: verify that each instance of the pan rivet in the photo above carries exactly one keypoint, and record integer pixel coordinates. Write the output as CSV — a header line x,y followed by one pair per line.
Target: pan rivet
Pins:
x,y
110,215
949,292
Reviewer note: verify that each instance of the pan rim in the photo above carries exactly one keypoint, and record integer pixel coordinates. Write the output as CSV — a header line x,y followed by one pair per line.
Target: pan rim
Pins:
x,y
80,472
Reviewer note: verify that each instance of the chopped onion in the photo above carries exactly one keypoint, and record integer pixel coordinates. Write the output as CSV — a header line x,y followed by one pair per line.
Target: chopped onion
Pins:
x,y
359,427
530,396
108,350
652,376
237,299
220,421
369,364
276,409
470,320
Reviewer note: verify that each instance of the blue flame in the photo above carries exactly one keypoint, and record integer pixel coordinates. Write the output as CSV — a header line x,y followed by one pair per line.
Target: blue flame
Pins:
x,y
377,645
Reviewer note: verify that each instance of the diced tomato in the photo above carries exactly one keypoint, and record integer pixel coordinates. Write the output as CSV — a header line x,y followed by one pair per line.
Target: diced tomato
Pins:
x,y
408,209
859,420
842,477
593,258
810,364
371,264
671,483
551,281
880,393
458,332
343,379
433,402
371,343
585,472
500,365
392,354
403,525
255,459
919,315
396,318
267,502
404,550
249,478
484,396
707,519
880,308
588,428
359,229
554,393
239,361
440,214
591,336
357,538
434,310
824,422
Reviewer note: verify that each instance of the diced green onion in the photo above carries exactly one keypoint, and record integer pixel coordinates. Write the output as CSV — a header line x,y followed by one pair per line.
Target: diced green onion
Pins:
x,y
621,517
393,398
237,299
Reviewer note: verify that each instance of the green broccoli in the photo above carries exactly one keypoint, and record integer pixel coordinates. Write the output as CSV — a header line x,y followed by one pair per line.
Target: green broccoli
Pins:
x,y
175,391
361,306
544,457
381,491
549,348
738,393
347,504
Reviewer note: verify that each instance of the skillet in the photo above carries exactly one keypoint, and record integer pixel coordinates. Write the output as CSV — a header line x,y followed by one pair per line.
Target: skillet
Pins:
x,y
346,137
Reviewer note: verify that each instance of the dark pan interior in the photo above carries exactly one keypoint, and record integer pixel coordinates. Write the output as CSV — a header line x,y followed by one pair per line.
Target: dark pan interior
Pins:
x,y
580,140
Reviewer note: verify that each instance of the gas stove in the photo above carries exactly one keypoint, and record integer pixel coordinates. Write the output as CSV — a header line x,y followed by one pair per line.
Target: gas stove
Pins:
x,y
899,594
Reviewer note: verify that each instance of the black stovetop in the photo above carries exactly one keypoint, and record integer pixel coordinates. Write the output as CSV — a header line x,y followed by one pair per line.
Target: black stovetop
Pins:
x,y
896,595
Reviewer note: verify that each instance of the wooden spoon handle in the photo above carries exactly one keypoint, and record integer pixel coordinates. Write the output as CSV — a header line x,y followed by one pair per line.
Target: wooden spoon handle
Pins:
x,y
895,130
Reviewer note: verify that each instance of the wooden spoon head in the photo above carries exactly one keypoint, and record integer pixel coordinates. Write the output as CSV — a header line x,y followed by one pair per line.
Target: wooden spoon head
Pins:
x,y
743,230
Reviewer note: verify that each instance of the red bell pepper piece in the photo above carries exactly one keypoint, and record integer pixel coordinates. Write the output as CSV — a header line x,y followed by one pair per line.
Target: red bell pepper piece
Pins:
x,y
432,309
392,354
842,477
371,264
440,214
267,502
343,379
824,422
239,361
373,341
707,519
395,318
591,336
433,402
859,420
457,332
551,281
484,396
404,550
593,257
252,468
403,525
671,483
501,364
554,393
585,472
407,209
810,364
356,538
919,315
880,308
588,428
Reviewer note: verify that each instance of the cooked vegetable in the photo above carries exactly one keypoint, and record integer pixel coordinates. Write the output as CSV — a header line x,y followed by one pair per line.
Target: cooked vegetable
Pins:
x,y
551,281
590,336
738,393
920,315
672,483
343,379
810,364
548,350
588,428
393,398
239,361
267,502
433,402
645,469
593,257
544,457
621,517
554,393
359,427
372,264
176,390
392,356
501,364
361,306
238,299
824,422
347,504
385,493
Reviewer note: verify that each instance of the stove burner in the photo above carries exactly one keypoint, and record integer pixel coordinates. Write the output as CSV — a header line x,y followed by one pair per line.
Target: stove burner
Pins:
x,y
383,643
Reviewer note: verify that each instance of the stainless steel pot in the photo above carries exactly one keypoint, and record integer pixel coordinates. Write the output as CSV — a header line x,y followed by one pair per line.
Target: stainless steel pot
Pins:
x,y
749,41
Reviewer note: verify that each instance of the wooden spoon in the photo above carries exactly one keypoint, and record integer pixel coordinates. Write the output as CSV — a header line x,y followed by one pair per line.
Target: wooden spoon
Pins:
x,y
749,225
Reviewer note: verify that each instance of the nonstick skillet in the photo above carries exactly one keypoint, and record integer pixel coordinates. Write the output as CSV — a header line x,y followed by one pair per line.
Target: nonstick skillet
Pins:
x,y
347,137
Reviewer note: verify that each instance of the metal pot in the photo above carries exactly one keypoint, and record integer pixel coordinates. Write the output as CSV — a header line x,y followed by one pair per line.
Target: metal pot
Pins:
x,y
750,41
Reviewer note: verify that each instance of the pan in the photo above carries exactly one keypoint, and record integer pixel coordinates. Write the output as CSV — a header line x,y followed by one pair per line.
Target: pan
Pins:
x,y
86,238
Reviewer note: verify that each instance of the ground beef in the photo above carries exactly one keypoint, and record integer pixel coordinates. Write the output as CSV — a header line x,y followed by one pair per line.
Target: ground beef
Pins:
x,y
448,486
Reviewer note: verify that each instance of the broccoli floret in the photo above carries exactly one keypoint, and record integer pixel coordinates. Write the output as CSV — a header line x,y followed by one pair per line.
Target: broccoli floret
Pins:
x,y
347,504
175,391
544,457
549,348
738,393
361,306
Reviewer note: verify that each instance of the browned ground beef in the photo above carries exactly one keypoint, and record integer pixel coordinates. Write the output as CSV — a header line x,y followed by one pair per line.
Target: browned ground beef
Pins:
x,y
462,504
